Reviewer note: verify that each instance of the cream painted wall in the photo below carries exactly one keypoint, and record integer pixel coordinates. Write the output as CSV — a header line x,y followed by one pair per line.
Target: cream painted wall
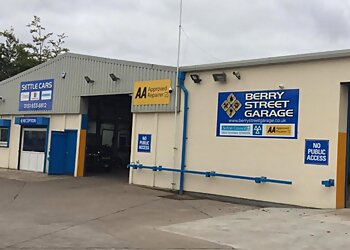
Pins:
x,y
319,104
14,144
343,108
4,157
161,126
9,156
4,152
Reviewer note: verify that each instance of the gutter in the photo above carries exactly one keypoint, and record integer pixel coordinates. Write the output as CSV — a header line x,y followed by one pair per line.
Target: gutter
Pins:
x,y
181,77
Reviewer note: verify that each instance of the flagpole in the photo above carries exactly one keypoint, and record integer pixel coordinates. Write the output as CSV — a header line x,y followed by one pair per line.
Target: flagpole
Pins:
x,y
177,93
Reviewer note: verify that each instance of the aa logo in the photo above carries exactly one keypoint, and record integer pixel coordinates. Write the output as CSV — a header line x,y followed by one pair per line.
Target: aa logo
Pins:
x,y
279,130
141,93
271,130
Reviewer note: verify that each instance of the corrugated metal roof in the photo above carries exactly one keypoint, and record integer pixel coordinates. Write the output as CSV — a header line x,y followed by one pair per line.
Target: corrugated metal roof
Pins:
x,y
328,55
68,91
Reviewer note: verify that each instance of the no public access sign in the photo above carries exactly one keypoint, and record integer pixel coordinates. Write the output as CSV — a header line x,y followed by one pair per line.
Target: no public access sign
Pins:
x,y
316,152
144,143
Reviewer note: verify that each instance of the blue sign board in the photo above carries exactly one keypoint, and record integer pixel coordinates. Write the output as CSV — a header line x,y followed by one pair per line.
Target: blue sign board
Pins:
x,y
28,121
316,152
32,121
144,143
259,114
4,123
36,95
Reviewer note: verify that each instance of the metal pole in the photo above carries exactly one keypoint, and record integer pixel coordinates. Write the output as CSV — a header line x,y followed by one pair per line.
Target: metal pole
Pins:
x,y
177,91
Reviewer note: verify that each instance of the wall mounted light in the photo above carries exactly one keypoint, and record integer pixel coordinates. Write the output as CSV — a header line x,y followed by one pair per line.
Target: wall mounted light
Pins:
x,y
2,99
237,74
88,79
114,77
221,77
63,75
281,86
195,78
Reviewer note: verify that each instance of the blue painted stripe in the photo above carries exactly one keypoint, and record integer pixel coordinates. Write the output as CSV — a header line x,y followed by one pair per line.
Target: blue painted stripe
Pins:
x,y
84,122
46,144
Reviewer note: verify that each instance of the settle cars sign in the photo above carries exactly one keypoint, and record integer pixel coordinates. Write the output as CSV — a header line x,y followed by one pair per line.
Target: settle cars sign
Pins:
x,y
151,92
260,114
36,95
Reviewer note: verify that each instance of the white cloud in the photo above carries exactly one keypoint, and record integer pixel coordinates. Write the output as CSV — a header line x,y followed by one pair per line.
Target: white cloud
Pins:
x,y
221,30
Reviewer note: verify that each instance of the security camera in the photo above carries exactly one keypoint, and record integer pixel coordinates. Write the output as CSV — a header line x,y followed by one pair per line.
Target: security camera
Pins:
x,y
237,74
170,90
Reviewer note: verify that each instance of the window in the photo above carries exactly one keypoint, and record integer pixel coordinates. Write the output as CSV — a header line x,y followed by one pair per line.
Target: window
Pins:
x,y
123,139
4,136
34,141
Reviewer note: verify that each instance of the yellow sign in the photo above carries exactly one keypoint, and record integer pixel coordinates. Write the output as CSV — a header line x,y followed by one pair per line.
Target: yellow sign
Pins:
x,y
278,130
151,92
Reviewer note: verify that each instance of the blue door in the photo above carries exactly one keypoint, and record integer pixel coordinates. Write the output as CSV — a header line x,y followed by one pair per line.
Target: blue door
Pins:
x,y
62,152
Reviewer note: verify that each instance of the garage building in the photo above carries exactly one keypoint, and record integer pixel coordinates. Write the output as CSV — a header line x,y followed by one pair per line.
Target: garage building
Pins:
x,y
273,129
73,115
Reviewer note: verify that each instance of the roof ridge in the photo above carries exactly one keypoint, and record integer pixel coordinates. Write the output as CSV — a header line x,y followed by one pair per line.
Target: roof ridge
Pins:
x,y
334,54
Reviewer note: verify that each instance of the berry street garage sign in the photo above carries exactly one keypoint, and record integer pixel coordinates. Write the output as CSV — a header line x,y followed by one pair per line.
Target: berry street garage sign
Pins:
x,y
260,114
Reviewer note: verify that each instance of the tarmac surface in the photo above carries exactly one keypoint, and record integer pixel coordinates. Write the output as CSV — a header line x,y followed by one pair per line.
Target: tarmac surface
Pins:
x,y
105,212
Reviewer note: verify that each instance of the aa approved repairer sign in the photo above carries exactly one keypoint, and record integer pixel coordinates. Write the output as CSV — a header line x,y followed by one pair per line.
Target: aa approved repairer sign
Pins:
x,y
259,114
154,92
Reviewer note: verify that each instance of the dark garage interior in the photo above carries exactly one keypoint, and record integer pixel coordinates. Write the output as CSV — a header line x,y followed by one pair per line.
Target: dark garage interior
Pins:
x,y
109,135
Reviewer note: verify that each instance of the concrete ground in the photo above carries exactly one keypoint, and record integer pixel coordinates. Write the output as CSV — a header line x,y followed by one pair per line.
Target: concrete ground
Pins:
x,y
44,212
273,228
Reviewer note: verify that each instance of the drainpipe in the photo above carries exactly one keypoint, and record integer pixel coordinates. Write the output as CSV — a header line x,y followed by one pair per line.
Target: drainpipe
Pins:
x,y
184,130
